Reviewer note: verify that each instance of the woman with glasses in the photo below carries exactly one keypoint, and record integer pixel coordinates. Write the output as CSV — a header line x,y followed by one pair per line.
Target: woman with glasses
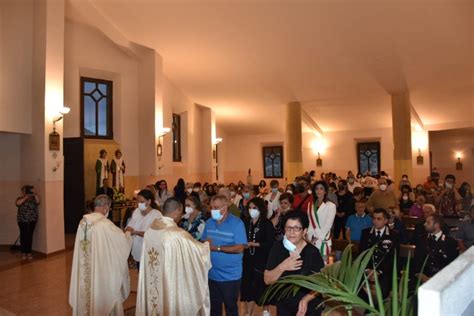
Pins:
x,y
293,255
321,214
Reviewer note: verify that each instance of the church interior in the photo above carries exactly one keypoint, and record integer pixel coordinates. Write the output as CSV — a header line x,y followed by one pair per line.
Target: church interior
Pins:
x,y
218,93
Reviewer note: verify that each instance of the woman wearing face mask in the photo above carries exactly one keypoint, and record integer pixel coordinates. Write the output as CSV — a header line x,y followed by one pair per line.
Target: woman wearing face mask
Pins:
x,y
293,255
419,191
260,237
321,217
286,200
193,220
290,189
405,199
142,218
273,198
247,195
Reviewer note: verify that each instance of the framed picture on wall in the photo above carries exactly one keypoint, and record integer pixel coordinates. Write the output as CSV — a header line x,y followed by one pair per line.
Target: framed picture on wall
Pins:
x,y
54,141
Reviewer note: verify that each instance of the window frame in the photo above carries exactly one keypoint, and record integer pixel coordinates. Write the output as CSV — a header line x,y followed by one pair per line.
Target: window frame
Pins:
x,y
110,101
379,154
177,157
281,162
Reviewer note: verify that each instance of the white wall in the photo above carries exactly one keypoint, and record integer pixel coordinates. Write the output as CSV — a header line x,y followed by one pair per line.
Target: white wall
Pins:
x,y
16,64
89,53
10,183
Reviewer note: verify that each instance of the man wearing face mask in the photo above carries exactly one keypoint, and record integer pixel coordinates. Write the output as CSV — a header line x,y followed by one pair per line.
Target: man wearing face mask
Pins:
x,y
174,274
352,184
304,196
226,235
382,197
273,198
100,259
449,201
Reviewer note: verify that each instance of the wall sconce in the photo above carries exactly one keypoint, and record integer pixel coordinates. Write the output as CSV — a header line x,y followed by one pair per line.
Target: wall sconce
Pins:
x,y
419,159
459,164
216,142
159,147
54,137
319,161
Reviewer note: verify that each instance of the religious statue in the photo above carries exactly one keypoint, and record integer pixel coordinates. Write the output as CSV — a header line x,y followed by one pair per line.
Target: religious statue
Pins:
x,y
117,167
101,168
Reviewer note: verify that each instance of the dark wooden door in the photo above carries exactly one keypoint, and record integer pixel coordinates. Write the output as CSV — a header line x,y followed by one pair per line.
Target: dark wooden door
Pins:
x,y
74,203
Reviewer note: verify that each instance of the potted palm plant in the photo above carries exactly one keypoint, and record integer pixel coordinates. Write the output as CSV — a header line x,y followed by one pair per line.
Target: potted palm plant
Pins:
x,y
341,282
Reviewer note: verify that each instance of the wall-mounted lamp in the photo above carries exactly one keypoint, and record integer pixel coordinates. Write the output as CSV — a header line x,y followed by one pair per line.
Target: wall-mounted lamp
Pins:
x,y
216,142
419,159
54,137
319,161
159,147
459,163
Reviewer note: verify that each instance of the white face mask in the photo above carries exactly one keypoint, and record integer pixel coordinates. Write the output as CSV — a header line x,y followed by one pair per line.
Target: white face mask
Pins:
x,y
309,191
405,198
189,190
196,189
350,180
289,191
187,212
291,247
142,206
383,187
254,213
448,185
232,193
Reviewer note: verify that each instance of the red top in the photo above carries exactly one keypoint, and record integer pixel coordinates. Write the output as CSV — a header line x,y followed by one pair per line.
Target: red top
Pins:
x,y
299,199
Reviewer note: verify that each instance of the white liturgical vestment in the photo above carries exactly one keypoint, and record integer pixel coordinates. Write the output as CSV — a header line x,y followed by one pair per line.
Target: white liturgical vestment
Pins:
x,y
100,280
173,272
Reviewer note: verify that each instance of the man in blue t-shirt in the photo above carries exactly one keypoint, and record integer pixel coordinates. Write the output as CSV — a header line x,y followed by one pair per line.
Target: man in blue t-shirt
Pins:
x,y
226,235
357,222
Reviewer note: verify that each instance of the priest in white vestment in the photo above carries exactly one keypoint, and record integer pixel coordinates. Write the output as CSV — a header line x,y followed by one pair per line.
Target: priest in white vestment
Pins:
x,y
100,280
174,268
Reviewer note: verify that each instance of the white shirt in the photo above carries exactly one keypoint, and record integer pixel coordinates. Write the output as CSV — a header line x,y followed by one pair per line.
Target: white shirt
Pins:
x,y
274,204
141,223
438,235
382,231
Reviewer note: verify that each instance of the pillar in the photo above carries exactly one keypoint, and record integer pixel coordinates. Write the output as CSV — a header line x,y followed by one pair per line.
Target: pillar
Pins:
x,y
401,129
293,141
40,166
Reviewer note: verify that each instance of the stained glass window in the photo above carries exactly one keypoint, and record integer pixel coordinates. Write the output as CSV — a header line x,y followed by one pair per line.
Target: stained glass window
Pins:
x,y
96,103
273,161
368,156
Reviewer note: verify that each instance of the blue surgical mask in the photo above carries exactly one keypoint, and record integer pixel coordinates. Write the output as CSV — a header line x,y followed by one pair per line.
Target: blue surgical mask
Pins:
x,y
216,215
274,190
288,245
246,195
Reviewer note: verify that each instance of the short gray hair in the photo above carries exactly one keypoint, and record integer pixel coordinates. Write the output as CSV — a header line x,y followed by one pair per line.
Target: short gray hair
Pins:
x,y
102,200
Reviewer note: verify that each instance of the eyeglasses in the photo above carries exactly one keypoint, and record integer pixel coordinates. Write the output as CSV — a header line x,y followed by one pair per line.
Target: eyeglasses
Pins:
x,y
296,229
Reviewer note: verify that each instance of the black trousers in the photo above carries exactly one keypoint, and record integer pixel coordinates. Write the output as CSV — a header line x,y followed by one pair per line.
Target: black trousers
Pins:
x,y
26,235
340,225
226,293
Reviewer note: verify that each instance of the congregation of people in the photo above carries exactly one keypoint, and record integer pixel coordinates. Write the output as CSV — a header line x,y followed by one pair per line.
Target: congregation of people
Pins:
x,y
202,248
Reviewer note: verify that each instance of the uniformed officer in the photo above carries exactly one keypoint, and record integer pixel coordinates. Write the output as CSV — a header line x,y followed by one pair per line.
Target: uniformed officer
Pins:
x,y
386,243
440,249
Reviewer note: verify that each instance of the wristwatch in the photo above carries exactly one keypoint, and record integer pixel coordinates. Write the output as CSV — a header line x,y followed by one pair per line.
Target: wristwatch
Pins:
x,y
219,248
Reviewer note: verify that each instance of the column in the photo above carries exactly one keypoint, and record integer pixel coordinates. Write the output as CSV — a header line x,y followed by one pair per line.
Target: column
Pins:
x,y
40,166
293,141
401,129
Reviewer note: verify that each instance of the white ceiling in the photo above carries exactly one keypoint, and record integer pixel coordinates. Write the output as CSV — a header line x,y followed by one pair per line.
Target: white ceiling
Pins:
x,y
341,58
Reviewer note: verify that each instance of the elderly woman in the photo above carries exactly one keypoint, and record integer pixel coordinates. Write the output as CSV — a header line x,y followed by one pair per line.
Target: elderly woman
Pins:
x,y
293,255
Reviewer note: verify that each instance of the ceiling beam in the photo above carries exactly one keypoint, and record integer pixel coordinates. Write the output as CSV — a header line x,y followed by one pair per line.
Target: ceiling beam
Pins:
x,y
308,120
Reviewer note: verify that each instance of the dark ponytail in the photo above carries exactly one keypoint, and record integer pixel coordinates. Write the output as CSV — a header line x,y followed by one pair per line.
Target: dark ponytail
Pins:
x,y
148,195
